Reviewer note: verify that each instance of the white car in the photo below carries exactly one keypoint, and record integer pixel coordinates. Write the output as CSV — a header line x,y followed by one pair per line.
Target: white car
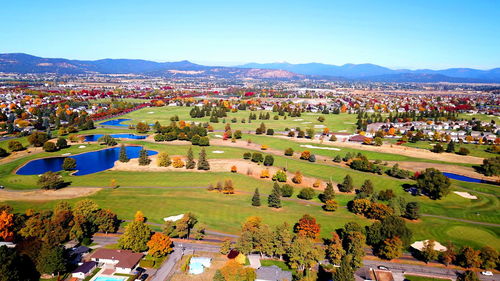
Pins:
x,y
487,273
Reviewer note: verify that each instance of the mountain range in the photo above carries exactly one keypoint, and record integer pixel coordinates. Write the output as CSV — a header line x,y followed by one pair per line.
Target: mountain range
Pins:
x,y
24,63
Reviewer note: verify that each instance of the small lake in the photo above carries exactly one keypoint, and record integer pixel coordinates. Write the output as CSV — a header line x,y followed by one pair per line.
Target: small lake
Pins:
x,y
463,178
86,163
118,136
116,122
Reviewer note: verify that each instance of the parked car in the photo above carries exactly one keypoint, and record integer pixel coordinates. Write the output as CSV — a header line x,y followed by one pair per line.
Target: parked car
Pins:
x,y
139,270
487,273
381,267
144,277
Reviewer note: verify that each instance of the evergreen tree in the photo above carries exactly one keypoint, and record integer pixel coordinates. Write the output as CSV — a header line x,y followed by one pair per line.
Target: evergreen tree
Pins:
x,y
256,198
123,154
328,194
143,158
190,164
274,200
451,147
202,161
346,185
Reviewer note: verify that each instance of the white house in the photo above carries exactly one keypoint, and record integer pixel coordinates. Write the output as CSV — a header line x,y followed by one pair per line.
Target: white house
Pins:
x,y
122,261
84,270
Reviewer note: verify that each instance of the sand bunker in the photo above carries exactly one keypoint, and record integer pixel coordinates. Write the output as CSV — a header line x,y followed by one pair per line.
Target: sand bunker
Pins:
x,y
43,195
306,122
218,151
218,136
297,120
465,195
319,126
319,147
151,112
82,146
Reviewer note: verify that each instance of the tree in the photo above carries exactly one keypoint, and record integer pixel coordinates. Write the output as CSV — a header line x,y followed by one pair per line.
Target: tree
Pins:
x,y
345,272
491,166
159,245
202,161
16,267
328,194
50,180
139,216
268,160
142,127
286,190
106,221
51,260
334,250
280,176
297,178
135,237
450,148
218,276
346,185
331,206
185,225
306,193
49,146
3,152
378,141
6,226
367,187
228,187
190,164
225,248
274,200
164,160
289,152
37,139
449,255
61,143
468,257
468,275
337,159
144,158
257,157
391,248
304,254
233,271
428,252
256,198
438,148
463,151
69,164
107,140
412,211
14,145
433,183
489,258
360,206
282,239
123,154
307,227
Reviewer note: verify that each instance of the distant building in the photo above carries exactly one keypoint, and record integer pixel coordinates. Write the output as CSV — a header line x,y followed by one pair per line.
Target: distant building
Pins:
x,y
273,273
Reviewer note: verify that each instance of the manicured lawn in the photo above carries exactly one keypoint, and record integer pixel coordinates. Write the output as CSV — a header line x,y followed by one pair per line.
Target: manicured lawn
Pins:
x,y
421,278
280,264
475,149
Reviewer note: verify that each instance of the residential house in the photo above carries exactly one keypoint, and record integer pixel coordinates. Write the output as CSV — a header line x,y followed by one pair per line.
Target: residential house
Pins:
x,y
273,273
122,261
84,270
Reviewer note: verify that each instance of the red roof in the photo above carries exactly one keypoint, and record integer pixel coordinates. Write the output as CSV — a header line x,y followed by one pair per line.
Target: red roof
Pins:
x,y
126,258
358,138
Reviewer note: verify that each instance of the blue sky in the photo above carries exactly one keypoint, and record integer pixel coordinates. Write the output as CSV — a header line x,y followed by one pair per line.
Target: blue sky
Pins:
x,y
397,34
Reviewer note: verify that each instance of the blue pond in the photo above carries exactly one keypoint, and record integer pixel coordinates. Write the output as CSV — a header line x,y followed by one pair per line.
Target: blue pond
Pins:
x,y
116,122
118,136
86,163
463,178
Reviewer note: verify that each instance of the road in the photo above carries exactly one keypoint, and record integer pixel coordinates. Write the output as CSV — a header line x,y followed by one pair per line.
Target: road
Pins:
x,y
399,269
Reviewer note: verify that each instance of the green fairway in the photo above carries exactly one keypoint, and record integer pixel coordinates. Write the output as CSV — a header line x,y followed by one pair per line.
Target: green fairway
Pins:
x,y
422,278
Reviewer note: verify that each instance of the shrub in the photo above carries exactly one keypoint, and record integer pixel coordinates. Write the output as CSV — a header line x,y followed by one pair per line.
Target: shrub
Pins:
x,y
438,148
463,151
268,160
330,206
316,183
38,139
305,155
291,134
289,151
234,169
306,193
297,178
286,190
280,176
491,166
69,164
333,138
177,162
264,147
14,145
204,141
237,134
3,152
50,180
247,155
264,174
312,158
257,157
49,146
270,132
337,159
61,143
163,160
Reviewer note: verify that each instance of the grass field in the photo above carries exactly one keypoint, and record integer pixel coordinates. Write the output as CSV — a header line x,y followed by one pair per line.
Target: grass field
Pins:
x,y
422,278
475,149
335,122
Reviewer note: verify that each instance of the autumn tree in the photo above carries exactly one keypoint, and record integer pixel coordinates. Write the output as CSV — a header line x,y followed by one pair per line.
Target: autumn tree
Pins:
x,y
297,178
6,226
50,180
135,237
159,245
489,258
163,160
428,252
334,250
468,275
233,271
307,226
225,248
185,225
228,187
433,183
304,254
37,139
139,216
468,257
448,256
391,248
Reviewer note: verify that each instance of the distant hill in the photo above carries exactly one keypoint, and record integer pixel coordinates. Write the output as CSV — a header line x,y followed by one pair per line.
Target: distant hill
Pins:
x,y
374,72
24,63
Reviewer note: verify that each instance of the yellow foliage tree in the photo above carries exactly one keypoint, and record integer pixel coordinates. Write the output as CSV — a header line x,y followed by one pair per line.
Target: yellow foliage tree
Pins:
x,y
264,174
6,224
178,163
139,216
159,245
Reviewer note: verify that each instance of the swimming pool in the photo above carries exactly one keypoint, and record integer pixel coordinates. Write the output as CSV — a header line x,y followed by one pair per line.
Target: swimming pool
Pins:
x,y
106,278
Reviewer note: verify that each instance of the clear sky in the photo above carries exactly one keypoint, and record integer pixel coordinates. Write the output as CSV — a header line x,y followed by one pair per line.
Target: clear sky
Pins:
x,y
397,34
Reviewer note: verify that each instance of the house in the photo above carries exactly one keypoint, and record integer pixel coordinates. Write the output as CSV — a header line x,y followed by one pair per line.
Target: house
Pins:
x,y
358,138
273,273
122,261
84,270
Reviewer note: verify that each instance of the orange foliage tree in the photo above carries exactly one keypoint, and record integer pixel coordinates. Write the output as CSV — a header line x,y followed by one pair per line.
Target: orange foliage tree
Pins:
x,y
233,271
6,224
159,245
308,227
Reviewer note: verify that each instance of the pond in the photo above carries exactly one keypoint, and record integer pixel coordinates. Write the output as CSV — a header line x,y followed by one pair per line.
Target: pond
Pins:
x,y
115,122
463,178
118,136
86,163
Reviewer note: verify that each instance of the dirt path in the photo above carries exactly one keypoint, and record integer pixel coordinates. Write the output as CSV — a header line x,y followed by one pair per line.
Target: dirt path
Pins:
x,y
20,154
46,195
